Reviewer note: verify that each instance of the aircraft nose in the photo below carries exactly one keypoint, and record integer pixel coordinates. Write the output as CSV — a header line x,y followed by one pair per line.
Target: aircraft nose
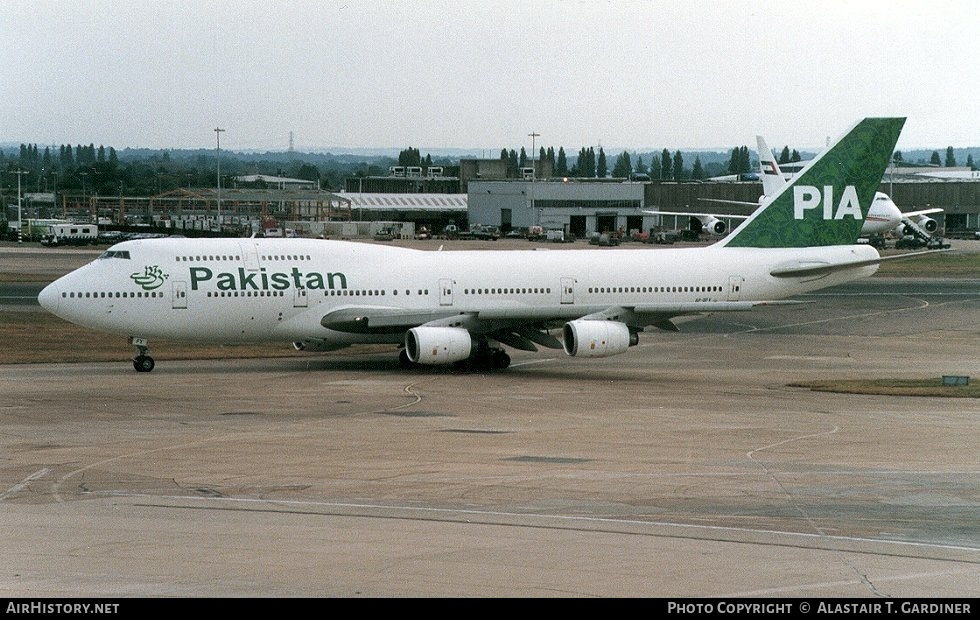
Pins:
x,y
50,297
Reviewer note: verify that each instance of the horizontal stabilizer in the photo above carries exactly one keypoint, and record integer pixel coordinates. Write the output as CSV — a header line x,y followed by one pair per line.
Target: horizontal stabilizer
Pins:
x,y
819,269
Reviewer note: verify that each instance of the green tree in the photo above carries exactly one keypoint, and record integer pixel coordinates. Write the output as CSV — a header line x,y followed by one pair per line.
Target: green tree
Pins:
x,y
950,157
308,172
410,157
640,167
600,167
740,162
697,172
784,155
655,167
66,157
585,165
795,156
623,167
678,166
969,162
665,169
561,164
934,160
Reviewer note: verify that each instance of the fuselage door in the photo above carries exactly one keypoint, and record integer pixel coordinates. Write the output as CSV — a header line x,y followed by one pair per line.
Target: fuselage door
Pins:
x,y
179,292
250,255
734,287
300,298
568,290
445,292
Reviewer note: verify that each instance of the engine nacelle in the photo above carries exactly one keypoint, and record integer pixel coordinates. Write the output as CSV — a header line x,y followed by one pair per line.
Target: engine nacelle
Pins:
x,y
714,225
583,338
438,345
927,224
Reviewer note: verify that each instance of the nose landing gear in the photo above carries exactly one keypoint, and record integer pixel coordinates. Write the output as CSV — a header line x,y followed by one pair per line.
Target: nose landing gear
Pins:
x,y
142,362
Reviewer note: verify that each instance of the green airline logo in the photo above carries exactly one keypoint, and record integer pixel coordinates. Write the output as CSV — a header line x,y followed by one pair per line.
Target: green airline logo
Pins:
x,y
807,197
152,278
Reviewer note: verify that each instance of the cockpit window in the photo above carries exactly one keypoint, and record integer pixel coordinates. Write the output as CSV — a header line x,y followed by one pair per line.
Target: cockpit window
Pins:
x,y
115,254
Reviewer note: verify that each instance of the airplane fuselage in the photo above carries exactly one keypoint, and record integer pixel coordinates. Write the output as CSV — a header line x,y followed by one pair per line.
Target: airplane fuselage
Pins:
x,y
254,290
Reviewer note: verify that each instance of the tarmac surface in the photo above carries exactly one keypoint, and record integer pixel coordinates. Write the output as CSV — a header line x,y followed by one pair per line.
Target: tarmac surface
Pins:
x,y
686,467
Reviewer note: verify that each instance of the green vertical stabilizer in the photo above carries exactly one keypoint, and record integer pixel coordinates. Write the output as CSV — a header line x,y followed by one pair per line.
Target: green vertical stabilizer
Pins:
x,y
827,202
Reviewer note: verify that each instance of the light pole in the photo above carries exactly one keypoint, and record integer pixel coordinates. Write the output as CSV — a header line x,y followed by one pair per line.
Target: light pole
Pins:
x,y
55,173
83,175
20,222
534,214
217,136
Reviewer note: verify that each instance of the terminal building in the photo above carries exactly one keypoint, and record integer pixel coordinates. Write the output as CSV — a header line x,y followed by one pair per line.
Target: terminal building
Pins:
x,y
580,207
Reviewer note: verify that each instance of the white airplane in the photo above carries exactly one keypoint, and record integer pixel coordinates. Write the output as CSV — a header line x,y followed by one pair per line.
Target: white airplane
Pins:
x,y
883,216
445,307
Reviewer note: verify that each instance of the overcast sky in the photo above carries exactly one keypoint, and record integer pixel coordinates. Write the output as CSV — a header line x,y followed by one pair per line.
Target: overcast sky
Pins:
x,y
484,74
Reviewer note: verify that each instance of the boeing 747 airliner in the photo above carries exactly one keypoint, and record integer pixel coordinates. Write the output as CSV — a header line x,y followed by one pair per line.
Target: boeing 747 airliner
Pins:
x,y
448,307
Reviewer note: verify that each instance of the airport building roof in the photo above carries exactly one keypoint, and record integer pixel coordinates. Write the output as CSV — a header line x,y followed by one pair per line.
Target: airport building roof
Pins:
x,y
407,202
273,180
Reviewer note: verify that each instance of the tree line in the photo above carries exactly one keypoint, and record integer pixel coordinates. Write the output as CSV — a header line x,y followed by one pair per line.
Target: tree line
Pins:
x,y
87,169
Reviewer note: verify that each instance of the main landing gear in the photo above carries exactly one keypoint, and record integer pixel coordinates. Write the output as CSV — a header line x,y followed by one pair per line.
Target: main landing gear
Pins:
x,y
142,362
484,359
494,359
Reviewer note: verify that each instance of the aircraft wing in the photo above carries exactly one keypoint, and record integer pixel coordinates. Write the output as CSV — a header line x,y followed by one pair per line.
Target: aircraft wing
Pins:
x,y
715,215
743,203
659,315
520,326
922,212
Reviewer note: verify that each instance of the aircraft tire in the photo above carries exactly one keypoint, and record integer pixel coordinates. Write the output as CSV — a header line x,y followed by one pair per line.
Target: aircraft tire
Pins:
x,y
143,363
499,360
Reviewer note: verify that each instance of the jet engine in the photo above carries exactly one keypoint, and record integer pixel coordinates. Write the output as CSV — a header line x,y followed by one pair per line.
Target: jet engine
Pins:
x,y
927,224
584,338
714,225
438,345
